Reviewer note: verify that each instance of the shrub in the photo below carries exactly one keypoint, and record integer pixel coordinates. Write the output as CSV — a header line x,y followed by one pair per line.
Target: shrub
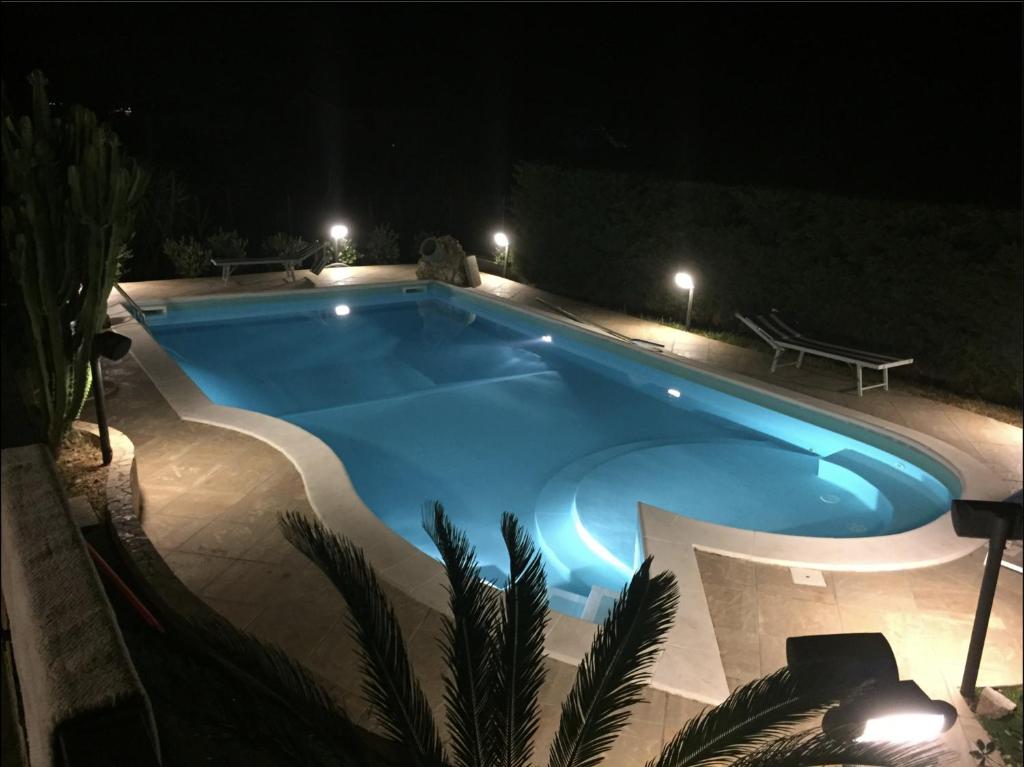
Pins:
x,y
939,283
189,257
344,252
382,246
281,245
227,245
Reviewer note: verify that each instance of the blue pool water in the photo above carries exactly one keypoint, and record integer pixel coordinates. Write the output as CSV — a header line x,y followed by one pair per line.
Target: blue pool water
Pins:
x,y
440,394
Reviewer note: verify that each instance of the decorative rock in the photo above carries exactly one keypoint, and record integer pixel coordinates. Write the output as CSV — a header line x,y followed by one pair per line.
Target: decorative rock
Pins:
x,y
992,704
442,259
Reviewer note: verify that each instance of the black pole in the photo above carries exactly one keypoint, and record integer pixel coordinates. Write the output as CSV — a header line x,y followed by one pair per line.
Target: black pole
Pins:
x,y
101,409
996,545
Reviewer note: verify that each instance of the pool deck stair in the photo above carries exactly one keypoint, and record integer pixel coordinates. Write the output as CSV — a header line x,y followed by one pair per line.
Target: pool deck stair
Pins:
x,y
690,662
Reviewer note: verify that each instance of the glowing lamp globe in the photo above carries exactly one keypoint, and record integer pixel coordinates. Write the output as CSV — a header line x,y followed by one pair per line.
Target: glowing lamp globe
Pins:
x,y
684,281
501,240
339,232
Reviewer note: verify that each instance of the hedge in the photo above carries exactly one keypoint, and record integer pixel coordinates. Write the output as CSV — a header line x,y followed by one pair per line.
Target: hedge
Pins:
x,y
939,282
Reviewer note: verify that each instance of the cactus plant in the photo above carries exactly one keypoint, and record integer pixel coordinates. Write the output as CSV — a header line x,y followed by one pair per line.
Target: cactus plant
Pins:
x,y
69,202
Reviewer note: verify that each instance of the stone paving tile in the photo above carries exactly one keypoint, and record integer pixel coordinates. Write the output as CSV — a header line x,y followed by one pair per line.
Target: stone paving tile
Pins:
x,y
223,539
740,651
167,533
239,613
196,570
732,609
295,626
778,581
783,616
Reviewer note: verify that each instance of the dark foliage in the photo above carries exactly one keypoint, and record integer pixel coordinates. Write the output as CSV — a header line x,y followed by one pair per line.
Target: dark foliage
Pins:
x,y
940,283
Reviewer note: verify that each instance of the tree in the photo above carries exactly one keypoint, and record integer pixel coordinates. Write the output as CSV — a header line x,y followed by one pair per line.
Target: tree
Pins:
x,y
493,645
68,215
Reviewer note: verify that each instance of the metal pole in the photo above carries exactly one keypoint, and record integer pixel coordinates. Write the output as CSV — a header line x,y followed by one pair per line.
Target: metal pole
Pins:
x,y
101,409
996,545
504,267
689,307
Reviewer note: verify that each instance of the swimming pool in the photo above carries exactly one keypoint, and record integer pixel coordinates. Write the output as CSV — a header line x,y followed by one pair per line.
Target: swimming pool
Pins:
x,y
440,393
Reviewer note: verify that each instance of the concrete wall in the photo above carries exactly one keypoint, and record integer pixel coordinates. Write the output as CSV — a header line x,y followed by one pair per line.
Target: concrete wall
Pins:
x,y
82,700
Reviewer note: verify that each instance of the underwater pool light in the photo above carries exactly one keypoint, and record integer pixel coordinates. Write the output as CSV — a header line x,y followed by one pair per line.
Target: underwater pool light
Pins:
x,y
546,339
342,310
674,393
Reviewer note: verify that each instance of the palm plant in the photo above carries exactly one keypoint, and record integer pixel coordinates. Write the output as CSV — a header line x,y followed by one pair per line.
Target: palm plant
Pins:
x,y
493,645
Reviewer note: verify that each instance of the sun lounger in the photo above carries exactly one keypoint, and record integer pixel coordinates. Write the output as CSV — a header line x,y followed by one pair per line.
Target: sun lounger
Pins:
x,y
228,265
782,338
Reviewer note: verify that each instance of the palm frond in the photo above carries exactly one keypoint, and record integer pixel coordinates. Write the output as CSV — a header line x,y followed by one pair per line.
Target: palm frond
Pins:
x,y
613,673
814,748
389,684
468,642
762,710
519,672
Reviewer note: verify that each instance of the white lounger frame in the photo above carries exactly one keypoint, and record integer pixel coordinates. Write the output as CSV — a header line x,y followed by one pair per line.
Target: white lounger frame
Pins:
x,y
853,357
227,266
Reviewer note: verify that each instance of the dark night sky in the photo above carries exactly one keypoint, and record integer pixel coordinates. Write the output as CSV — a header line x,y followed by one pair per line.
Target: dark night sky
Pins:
x,y
366,108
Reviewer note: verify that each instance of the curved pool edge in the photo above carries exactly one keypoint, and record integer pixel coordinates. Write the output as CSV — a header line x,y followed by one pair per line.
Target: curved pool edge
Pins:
x,y
416,574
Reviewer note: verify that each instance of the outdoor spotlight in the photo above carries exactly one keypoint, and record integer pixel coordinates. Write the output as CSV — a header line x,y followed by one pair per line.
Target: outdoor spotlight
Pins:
x,y
111,345
999,522
887,709
685,282
893,713
501,239
339,232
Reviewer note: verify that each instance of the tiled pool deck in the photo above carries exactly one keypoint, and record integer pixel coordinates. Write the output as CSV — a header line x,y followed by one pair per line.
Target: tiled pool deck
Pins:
x,y
210,498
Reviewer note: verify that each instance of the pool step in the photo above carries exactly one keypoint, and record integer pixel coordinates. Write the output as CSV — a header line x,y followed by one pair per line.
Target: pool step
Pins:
x,y
593,542
900,484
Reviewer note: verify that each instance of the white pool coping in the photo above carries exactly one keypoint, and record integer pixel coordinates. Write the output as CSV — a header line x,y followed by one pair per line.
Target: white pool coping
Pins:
x,y
690,664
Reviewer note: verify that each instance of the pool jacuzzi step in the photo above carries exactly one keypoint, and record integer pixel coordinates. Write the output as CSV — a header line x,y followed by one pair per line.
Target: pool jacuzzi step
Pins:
x,y
585,517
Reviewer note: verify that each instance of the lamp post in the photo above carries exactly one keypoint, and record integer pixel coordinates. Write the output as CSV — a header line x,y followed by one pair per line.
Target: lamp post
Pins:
x,y
998,522
339,233
113,346
889,710
502,241
685,281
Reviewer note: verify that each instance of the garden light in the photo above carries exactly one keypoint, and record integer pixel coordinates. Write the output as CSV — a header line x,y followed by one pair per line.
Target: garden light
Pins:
x,y
999,522
339,232
895,713
887,709
685,282
502,241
